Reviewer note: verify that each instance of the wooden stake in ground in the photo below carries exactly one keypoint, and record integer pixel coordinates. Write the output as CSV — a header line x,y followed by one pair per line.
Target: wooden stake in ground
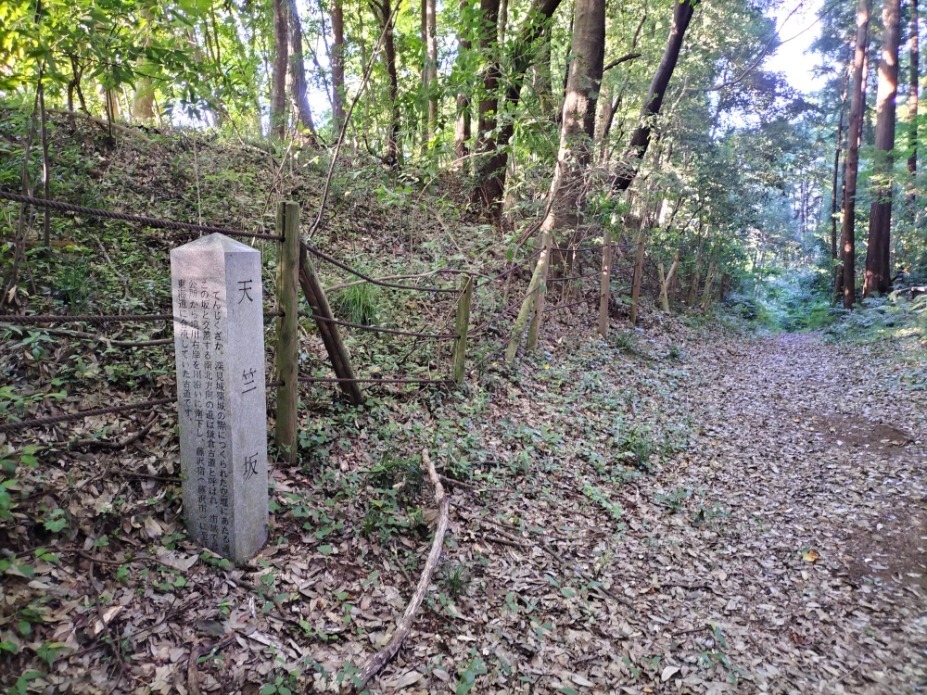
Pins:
x,y
462,325
287,357
605,284
665,282
638,273
376,663
322,313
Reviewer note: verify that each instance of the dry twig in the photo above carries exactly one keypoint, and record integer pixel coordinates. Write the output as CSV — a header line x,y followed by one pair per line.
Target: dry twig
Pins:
x,y
376,663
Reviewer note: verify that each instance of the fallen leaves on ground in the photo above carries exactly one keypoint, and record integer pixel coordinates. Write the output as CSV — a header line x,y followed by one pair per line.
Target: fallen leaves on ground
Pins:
x,y
664,512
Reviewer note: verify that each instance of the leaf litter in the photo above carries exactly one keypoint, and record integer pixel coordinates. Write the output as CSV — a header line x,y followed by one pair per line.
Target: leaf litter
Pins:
x,y
663,512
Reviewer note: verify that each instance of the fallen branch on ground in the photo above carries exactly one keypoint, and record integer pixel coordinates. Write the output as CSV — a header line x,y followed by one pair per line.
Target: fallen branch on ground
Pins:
x,y
376,663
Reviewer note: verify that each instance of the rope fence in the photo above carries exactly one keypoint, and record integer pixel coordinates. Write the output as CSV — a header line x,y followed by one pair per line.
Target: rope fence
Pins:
x,y
390,331
84,318
475,278
380,283
59,206
333,380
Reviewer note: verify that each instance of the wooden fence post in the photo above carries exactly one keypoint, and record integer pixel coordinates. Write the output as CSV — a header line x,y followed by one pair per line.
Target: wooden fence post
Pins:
x,y
605,284
709,281
535,287
462,326
665,282
331,337
638,274
287,354
540,302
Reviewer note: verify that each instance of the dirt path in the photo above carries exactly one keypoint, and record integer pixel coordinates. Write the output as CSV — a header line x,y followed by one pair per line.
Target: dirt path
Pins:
x,y
819,458
782,550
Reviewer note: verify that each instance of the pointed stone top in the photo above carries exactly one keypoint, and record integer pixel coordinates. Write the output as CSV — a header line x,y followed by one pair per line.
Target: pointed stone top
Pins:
x,y
218,242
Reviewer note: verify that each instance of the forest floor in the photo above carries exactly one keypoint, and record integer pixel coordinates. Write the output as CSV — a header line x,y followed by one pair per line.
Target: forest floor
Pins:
x,y
770,536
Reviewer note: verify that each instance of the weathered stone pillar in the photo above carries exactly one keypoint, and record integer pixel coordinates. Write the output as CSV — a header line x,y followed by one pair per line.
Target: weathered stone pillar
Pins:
x,y
219,345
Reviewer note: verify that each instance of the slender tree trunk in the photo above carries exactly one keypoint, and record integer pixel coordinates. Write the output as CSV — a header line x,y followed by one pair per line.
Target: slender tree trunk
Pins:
x,y
640,141
462,126
915,57
297,75
834,201
430,67
278,82
878,278
338,113
384,11
854,135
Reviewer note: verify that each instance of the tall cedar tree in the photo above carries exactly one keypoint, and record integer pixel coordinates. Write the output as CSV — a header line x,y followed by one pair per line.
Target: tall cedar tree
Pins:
x,y
914,53
835,180
854,134
878,278
488,106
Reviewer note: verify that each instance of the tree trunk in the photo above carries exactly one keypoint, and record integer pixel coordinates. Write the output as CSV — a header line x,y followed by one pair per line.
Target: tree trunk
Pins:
x,y
640,141
278,79
854,135
143,99
834,201
878,277
567,188
491,166
542,84
915,57
384,11
430,67
338,114
489,193
462,126
297,75
566,197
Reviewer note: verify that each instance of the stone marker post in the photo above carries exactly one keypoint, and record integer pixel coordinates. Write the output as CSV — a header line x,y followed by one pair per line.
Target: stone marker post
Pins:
x,y
219,346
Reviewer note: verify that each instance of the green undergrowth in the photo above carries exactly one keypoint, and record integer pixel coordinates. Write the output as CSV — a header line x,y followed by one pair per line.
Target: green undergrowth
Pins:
x,y
794,301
